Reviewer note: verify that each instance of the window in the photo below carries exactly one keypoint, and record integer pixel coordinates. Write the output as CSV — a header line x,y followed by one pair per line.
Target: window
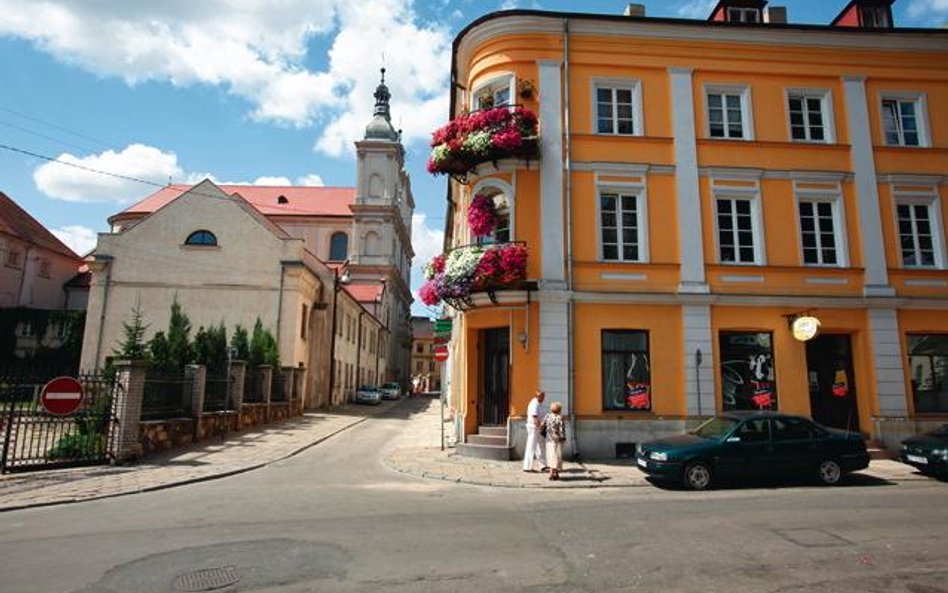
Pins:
x,y
791,429
818,232
928,365
25,329
917,233
747,371
419,348
44,268
810,114
618,107
743,15
621,227
303,321
874,16
729,114
737,223
903,120
626,376
201,237
756,430
13,258
495,93
338,247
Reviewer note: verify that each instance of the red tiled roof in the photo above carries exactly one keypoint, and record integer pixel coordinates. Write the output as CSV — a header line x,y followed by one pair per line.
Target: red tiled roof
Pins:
x,y
17,222
300,200
365,293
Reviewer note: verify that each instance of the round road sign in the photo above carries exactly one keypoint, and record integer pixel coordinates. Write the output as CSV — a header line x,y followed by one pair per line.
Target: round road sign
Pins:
x,y
441,353
62,396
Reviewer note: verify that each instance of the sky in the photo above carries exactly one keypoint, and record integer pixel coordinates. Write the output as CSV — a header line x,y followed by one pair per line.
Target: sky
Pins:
x,y
272,92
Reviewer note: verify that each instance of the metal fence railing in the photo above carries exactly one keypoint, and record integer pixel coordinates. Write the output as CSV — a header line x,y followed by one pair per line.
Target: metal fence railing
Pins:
x,y
217,394
253,386
279,391
166,397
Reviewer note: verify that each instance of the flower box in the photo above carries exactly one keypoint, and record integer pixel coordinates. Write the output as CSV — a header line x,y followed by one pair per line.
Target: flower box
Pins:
x,y
483,136
453,277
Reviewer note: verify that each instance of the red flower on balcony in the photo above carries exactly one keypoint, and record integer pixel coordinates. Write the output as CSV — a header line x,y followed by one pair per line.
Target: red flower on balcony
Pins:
x,y
482,215
486,135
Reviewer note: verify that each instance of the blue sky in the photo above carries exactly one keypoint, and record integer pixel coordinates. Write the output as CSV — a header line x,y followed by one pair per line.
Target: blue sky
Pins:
x,y
242,91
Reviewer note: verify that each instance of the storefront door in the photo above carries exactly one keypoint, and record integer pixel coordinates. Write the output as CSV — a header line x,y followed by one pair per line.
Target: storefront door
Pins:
x,y
829,364
495,398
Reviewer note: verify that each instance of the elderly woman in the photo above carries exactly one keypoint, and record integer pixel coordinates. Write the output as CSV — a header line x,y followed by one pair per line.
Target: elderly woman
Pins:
x,y
555,437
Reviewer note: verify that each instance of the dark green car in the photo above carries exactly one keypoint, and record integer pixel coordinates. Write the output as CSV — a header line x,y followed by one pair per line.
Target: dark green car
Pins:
x,y
928,453
754,444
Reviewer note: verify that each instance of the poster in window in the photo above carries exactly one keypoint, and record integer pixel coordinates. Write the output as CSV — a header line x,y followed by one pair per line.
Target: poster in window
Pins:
x,y
626,376
747,371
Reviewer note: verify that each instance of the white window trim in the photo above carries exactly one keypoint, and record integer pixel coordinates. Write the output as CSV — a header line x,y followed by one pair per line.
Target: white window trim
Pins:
x,y
747,111
835,198
933,202
631,84
641,194
494,83
508,191
751,193
826,105
743,10
921,116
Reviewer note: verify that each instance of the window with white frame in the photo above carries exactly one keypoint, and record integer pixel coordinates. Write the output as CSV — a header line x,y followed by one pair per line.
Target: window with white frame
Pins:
x,y
495,93
820,228
13,258
618,107
729,114
919,232
738,242
743,15
810,116
903,120
621,226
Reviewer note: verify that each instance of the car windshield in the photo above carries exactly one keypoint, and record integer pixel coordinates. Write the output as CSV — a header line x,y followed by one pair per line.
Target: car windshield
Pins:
x,y
367,388
715,428
390,386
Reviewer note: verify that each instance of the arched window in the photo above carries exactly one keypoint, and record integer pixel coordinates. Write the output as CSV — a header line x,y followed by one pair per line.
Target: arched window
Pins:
x,y
501,232
201,237
339,247
372,244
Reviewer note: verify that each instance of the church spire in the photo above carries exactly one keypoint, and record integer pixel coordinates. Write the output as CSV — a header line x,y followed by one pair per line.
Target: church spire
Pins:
x,y
380,128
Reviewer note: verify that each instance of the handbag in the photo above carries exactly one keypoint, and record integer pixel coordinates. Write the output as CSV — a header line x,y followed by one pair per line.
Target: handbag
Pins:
x,y
543,430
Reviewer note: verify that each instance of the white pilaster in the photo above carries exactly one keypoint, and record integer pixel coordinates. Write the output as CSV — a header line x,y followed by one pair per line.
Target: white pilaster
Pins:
x,y
699,380
867,191
887,356
551,174
691,245
554,351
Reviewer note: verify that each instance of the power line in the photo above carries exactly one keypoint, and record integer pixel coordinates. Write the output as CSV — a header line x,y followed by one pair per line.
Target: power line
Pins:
x,y
57,127
41,135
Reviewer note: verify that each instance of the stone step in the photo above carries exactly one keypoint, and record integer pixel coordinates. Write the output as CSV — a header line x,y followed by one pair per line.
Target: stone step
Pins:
x,y
492,452
492,431
482,439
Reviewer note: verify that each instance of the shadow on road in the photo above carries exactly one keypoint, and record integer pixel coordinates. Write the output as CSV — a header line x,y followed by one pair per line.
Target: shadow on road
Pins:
x,y
854,480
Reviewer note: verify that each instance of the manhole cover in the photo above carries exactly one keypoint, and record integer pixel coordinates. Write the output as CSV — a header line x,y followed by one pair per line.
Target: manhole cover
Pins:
x,y
206,579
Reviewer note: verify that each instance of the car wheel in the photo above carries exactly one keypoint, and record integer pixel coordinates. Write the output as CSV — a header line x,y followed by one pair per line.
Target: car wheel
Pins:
x,y
697,476
829,472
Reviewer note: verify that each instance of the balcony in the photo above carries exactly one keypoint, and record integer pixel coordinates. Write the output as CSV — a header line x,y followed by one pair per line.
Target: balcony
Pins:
x,y
473,276
487,135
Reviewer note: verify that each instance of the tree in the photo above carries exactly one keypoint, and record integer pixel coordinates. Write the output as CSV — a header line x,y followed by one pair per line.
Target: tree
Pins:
x,y
161,360
263,348
132,346
210,348
241,343
179,331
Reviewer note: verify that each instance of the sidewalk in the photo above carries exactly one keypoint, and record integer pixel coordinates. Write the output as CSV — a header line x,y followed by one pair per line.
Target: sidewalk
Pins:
x,y
415,452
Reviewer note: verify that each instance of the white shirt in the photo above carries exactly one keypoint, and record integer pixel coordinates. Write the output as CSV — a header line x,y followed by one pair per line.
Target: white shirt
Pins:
x,y
534,409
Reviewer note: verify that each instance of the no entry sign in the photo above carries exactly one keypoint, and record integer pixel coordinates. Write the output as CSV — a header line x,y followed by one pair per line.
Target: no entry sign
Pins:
x,y
441,353
62,396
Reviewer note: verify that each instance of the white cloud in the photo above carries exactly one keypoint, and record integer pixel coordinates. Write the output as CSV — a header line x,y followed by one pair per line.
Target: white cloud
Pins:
x,y
509,4
272,181
311,180
696,9
427,241
80,239
925,9
78,184
257,50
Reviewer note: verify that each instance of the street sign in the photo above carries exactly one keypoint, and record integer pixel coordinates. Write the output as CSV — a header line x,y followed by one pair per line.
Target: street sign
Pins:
x,y
442,326
62,396
441,339
441,353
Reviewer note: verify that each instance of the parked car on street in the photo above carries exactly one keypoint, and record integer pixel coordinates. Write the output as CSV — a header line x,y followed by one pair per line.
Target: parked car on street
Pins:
x,y
390,391
368,394
753,444
928,453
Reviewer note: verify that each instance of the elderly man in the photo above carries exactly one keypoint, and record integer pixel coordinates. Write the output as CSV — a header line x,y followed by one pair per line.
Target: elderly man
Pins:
x,y
534,450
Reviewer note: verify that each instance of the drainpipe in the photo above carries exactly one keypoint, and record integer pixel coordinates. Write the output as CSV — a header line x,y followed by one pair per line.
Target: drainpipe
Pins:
x,y
571,388
105,302
358,372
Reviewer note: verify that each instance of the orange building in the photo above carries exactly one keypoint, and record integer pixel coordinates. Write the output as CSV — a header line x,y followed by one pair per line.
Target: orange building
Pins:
x,y
696,188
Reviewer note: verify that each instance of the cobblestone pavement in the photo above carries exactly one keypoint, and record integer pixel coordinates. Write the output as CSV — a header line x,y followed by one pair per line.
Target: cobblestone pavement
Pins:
x,y
416,451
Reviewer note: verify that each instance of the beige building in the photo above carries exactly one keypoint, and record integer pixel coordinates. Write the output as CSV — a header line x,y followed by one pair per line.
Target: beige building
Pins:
x,y
424,368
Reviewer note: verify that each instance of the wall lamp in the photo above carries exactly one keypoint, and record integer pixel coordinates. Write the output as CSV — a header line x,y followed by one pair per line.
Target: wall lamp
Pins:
x,y
803,326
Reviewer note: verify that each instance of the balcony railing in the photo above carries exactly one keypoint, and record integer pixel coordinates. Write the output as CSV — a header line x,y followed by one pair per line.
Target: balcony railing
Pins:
x,y
483,136
460,274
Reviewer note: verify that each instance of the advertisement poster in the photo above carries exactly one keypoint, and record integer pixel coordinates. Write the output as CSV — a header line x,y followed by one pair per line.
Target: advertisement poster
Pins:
x,y
747,371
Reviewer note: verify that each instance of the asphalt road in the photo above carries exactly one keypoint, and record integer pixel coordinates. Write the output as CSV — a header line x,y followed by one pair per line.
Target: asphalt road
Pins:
x,y
333,519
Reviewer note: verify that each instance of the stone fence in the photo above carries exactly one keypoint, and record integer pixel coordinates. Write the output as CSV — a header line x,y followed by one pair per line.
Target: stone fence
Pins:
x,y
137,437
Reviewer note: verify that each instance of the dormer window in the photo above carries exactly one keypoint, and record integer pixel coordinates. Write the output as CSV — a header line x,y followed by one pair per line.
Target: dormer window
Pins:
x,y
282,200
874,16
739,11
743,15
201,238
866,14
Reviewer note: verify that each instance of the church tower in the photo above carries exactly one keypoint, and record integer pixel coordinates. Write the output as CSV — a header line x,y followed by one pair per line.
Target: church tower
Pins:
x,y
382,214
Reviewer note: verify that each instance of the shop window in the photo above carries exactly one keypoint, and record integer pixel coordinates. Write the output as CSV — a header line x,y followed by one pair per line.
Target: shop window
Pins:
x,y
626,373
928,364
747,371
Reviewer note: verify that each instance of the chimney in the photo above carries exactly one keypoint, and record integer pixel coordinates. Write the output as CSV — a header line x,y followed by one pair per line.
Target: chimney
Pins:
x,y
776,15
636,10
